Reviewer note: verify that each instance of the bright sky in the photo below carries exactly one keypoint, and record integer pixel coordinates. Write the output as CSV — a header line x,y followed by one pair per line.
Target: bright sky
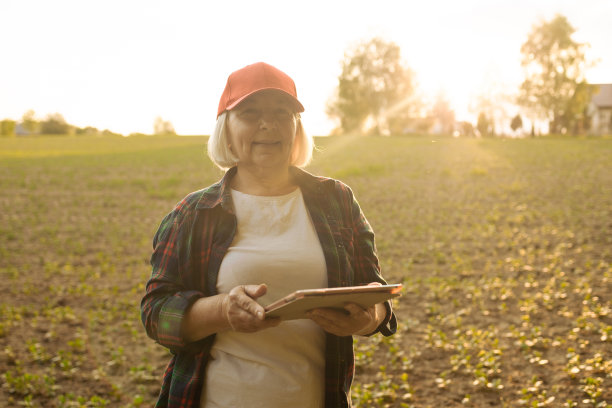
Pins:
x,y
117,64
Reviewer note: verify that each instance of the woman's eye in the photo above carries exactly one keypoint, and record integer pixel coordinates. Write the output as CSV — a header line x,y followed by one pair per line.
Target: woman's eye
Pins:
x,y
250,114
282,114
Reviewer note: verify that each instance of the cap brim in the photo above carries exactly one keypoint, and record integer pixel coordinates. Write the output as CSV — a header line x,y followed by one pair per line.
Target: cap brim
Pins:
x,y
297,104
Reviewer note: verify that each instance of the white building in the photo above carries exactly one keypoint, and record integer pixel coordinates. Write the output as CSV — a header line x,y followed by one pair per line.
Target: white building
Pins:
x,y
600,110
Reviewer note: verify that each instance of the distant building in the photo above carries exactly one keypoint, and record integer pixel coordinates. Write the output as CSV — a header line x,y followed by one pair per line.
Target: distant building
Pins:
x,y
20,130
600,110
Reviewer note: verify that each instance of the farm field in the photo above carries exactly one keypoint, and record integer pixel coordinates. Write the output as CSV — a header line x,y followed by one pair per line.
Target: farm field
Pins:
x,y
504,248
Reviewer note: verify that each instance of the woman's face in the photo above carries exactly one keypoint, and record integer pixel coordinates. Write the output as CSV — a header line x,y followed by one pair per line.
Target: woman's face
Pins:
x,y
261,130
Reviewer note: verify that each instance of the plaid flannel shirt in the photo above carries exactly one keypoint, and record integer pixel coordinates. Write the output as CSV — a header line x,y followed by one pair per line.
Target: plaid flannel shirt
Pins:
x,y
189,247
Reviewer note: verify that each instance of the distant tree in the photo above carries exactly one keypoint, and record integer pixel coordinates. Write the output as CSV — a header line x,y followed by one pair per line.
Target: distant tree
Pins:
x,y
466,129
516,123
163,127
107,133
443,113
7,128
555,88
54,124
483,125
493,102
576,118
374,88
29,122
87,131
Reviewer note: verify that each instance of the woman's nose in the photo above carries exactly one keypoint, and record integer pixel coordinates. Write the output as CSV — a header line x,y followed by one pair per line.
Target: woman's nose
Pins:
x,y
267,120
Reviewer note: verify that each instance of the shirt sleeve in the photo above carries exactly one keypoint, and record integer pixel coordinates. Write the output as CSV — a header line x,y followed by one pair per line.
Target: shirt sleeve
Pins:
x,y
166,300
365,260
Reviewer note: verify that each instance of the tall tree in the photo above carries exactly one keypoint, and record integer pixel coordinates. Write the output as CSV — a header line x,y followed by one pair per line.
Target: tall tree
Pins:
x,y
163,127
554,88
483,125
54,124
374,88
493,102
516,123
7,127
29,122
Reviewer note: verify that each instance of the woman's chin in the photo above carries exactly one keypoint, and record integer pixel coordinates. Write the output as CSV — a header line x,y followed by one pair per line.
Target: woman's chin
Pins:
x,y
270,161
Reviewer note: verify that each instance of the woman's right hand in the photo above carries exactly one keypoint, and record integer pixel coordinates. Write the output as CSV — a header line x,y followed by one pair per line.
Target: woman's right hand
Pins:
x,y
242,311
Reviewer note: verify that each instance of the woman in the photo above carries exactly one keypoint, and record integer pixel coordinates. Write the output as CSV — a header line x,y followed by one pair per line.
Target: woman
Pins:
x,y
266,229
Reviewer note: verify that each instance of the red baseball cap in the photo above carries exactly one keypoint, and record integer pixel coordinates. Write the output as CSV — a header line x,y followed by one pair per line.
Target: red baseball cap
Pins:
x,y
253,78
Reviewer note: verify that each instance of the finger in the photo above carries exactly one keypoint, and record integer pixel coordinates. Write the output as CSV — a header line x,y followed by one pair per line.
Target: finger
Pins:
x,y
320,317
329,325
330,313
339,322
255,291
355,310
374,284
331,320
241,300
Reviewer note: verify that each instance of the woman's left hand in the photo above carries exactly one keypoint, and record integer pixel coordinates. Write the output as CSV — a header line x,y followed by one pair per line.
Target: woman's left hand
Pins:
x,y
352,320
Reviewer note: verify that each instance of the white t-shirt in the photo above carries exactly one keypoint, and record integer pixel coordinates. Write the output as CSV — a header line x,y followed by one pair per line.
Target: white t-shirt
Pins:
x,y
283,366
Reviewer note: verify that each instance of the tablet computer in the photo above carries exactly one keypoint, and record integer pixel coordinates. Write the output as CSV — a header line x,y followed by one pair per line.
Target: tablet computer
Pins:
x,y
298,303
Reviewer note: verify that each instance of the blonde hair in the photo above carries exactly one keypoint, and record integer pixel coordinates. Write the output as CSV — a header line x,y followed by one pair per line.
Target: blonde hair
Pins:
x,y
222,156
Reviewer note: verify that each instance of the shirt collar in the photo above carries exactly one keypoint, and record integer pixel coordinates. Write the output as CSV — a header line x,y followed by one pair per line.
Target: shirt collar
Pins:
x,y
310,184
220,192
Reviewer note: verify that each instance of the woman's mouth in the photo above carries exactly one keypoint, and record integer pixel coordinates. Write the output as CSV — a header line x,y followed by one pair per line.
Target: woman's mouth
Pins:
x,y
267,143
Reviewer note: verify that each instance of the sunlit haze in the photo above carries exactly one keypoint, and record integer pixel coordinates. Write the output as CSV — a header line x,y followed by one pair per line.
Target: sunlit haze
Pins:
x,y
118,64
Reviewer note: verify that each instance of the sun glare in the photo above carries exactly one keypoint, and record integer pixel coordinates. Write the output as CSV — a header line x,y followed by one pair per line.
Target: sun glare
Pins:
x,y
161,65
450,69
